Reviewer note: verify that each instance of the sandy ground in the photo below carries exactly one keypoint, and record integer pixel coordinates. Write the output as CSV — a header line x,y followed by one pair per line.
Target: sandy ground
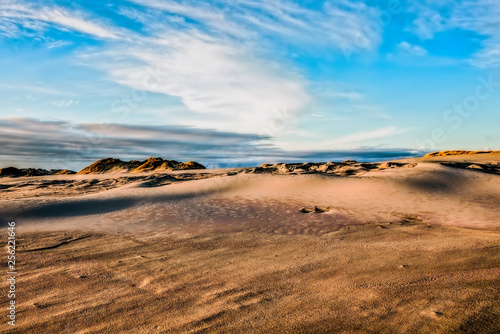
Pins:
x,y
403,250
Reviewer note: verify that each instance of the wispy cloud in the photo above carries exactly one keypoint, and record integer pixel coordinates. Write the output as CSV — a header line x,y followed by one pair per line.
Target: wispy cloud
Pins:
x,y
57,44
336,92
218,58
65,103
36,17
482,17
339,24
39,89
479,16
364,136
211,77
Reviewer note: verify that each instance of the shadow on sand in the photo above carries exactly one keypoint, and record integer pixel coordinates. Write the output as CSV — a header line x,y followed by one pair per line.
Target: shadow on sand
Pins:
x,y
88,207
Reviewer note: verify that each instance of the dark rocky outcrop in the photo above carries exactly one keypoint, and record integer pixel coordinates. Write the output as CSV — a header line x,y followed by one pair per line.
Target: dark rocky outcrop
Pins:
x,y
11,172
20,172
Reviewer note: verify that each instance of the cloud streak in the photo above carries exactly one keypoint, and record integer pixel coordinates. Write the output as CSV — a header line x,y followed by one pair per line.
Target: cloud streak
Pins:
x,y
340,23
14,15
74,145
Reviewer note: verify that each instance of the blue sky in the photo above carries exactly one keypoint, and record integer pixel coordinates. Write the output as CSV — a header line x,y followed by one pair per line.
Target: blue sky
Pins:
x,y
263,80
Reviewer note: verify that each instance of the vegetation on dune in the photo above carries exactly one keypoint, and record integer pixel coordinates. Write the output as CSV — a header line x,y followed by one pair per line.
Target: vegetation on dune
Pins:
x,y
457,152
109,165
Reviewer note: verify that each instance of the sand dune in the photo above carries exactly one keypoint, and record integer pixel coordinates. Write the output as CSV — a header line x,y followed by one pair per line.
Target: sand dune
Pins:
x,y
437,194
388,250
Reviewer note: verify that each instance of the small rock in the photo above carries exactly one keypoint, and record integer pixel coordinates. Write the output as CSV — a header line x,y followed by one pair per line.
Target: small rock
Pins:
x,y
321,210
475,166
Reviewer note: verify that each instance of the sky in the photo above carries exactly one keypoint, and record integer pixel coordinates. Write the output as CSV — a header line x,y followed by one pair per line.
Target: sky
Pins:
x,y
242,82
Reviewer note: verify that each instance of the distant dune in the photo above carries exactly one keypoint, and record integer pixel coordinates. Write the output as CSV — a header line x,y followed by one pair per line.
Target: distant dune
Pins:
x,y
458,152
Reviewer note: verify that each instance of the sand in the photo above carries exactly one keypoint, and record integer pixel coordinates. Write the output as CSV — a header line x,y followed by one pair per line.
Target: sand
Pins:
x,y
398,250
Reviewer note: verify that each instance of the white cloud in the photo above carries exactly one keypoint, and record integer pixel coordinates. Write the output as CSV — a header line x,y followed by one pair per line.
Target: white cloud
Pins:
x,y
405,48
429,19
64,103
74,22
217,58
351,96
220,79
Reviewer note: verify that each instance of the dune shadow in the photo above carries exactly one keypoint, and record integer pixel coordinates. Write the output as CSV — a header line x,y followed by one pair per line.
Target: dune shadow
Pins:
x,y
89,207
445,182
79,208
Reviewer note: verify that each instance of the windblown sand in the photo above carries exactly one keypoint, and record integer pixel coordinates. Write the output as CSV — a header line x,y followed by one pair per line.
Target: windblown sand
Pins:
x,y
406,250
